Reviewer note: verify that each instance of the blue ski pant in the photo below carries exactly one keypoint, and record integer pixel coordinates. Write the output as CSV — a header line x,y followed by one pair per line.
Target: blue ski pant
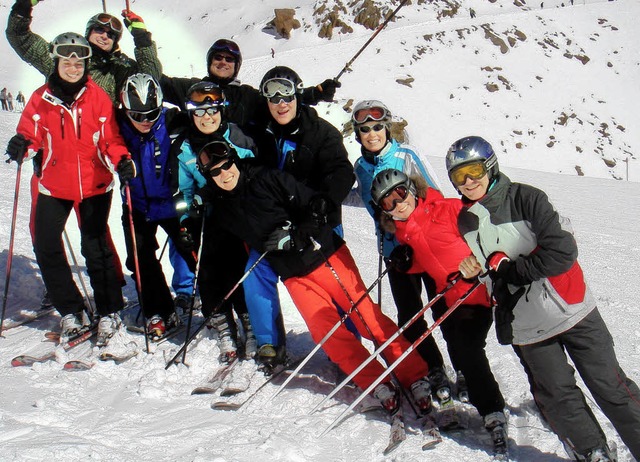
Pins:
x,y
182,280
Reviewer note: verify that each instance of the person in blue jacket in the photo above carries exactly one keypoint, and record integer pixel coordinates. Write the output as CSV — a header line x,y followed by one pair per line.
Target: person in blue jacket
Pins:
x,y
223,256
145,127
371,121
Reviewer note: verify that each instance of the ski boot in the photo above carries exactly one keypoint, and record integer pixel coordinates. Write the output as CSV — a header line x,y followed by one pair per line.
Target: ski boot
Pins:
x,y
461,387
226,343
440,386
107,327
251,343
496,425
156,327
46,301
270,357
389,396
421,391
72,325
601,454
182,303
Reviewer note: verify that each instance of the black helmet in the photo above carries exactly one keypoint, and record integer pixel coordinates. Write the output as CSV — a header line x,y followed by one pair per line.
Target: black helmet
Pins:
x,y
386,181
281,81
141,93
213,153
472,149
227,46
107,21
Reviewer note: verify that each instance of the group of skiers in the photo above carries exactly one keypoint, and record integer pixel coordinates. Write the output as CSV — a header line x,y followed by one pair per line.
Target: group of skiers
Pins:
x,y
6,99
249,184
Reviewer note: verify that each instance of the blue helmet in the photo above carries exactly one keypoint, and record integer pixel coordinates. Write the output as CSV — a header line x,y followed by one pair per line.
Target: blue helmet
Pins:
x,y
472,149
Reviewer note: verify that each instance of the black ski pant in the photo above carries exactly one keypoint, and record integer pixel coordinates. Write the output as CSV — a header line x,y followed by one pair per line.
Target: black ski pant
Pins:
x,y
50,218
465,331
562,403
156,295
223,261
407,295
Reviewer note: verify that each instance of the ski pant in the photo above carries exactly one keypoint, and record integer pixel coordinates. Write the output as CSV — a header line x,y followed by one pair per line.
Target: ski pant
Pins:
x,y
560,400
154,291
406,290
222,265
182,279
51,215
32,227
465,332
313,295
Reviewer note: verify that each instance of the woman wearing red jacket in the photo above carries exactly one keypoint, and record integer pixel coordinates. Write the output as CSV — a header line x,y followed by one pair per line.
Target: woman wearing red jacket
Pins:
x,y
72,121
426,226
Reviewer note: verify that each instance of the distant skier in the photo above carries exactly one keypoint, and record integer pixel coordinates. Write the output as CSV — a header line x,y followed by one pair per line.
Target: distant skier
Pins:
x,y
544,307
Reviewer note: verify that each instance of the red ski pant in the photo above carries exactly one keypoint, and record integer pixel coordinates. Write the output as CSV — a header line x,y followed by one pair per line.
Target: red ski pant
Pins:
x,y
314,294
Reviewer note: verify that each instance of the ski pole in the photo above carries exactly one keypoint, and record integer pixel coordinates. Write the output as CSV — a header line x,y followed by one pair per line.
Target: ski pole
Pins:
x,y
134,245
126,2
164,247
377,352
404,355
328,335
364,323
12,236
217,307
194,288
376,32
92,311
380,262
104,6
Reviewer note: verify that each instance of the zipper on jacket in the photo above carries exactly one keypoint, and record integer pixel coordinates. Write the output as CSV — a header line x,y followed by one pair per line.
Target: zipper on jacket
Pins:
x,y
62,122
549,295
79,123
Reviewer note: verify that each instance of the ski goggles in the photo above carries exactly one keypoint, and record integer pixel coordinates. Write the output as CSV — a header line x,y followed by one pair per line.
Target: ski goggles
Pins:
x,y
109,21
69,50
228,46
278,87
374,113
367,128
474,170
145,116
212,154
211,94
281,99
393,198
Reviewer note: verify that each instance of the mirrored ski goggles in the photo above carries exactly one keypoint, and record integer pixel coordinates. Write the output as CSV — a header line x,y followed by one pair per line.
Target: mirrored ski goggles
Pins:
x,y
374,114
208,94
109,21
146,116
212,154
278,87
474,170
201,111
69,50
393,198
367,128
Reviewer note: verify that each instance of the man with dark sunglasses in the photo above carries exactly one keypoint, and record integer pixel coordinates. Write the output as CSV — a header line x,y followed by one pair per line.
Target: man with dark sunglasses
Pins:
x,y
108,66
371,121
245,105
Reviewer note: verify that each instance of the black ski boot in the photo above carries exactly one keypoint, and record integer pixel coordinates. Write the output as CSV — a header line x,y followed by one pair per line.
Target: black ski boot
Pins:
x,y
496,425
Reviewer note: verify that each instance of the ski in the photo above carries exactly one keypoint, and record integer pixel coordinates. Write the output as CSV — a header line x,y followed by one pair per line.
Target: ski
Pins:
x,y
430,433
448,417
240,380
26,360
228,406
117,358
77,365
27,317
215,381
397,433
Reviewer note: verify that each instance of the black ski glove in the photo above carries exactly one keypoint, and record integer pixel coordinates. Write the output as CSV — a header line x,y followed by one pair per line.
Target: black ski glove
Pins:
x,y
504,302
23,7
196,209
319,207
327,90
185,239
401,258
126,170
17,148
280,239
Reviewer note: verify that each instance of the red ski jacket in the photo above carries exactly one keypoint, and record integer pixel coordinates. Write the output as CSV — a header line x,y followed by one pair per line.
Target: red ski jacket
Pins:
x,y
438,248
81,144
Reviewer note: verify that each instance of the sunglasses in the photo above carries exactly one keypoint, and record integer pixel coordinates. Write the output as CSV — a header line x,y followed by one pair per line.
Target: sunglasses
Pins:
x,y
218,170
475,171
200,112
70,50
109,21
146,116
375,114
226,59
278,86
213,153
103,30
367,128
393,198
281,99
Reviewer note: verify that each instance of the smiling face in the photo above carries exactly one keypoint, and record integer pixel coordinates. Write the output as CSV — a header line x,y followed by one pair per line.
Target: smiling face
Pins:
x,y
474,189
375,138
283,113
223,65
208,123
71,69
102,38
228,179
403,210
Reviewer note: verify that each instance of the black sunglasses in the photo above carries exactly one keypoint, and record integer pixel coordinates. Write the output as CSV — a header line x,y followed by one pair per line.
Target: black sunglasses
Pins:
x,y
367,128
280,98
228,59
218,170
103,30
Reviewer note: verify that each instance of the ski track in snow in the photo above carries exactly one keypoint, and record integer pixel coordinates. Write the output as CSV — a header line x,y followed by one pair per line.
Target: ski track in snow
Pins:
x,y
139,411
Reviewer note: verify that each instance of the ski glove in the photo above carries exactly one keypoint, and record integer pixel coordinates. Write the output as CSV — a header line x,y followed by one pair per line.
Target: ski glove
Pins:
x,y
23,7
401,258
133,22
504,302
17,148
196,208
280,239
126,170
186,240
327,90
319,207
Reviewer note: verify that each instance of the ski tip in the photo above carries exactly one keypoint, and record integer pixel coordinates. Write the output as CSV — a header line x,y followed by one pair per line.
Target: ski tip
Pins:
x,y
20,361
224,406
76,365
203,391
